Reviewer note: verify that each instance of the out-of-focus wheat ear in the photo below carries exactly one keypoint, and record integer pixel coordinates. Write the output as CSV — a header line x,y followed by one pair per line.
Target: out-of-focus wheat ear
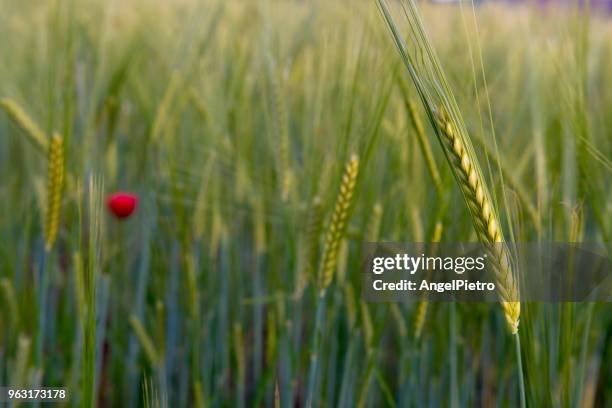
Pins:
x,y
281,125
424,144
423,305
373,227
10,296
198,104
35,135
576,227
145,340
18,376
55,182
466,168
338,222
164,109
419,317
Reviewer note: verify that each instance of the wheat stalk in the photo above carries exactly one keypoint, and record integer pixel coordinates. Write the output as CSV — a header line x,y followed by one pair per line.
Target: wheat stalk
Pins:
x,y
465,166
55,182
92,244
36,136
271,338
313,229
239,352
397,315
337,225
277,400
371,235
351,304
310,249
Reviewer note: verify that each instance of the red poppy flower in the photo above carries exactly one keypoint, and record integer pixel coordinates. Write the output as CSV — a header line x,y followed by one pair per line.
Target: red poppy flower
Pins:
x,y
122,205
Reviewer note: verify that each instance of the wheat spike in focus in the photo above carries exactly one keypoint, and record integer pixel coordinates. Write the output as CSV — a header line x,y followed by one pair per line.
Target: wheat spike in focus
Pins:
x,y
485,219
337,225
55,183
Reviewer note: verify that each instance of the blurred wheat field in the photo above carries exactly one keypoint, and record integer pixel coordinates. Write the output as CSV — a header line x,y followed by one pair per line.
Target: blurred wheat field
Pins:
x,y
266,141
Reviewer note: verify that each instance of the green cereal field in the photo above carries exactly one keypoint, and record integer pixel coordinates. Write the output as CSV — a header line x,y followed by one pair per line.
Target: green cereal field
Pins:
x,y
187,188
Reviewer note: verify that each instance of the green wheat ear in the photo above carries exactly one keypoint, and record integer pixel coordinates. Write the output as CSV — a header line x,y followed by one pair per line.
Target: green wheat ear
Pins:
x,y
55,182
337,225
34,134
443,111
487,224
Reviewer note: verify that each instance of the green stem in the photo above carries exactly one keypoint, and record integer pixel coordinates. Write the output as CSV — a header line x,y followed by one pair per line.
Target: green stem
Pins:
x,y
520,370
583,355
42,307
454,393
316,346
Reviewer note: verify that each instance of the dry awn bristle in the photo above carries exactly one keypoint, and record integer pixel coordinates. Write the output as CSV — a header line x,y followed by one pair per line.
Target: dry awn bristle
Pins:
x,y
483,213
337,226
27,125
54,189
